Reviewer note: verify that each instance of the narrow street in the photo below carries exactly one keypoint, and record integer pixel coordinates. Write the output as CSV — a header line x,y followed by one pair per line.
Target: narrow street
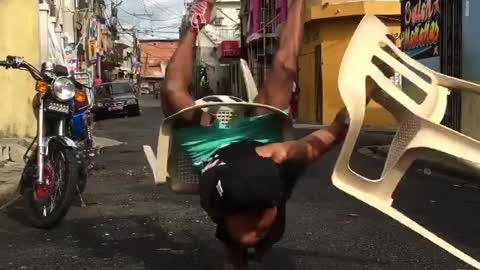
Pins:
x,y
131,224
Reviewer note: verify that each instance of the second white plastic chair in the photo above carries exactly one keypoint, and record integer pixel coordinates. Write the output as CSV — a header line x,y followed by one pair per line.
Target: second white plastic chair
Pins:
x,y
419,109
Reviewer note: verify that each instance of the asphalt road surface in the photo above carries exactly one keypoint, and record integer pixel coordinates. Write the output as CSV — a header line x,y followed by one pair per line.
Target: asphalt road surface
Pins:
x,y
131,224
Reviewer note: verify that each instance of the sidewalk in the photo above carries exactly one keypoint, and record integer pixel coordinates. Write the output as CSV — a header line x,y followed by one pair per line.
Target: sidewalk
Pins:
x,y
11,164
11,167
430,161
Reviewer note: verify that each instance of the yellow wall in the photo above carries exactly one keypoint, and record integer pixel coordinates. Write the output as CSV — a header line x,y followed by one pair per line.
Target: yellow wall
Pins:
x,y
470,124
333,36
18,36
307,101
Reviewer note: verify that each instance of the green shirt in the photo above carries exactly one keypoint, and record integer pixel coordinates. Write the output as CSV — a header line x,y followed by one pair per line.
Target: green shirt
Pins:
x,y
200,143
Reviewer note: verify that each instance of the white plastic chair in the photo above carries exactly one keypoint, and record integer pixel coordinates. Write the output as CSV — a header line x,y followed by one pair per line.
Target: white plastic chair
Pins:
x,y
419,120
171,165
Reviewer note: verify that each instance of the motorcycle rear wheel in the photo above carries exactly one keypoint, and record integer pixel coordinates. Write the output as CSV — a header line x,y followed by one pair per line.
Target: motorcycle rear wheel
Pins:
x,y
58,201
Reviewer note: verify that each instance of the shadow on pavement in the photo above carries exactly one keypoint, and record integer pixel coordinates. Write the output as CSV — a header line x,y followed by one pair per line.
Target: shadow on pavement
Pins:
x,y
138,239
447,206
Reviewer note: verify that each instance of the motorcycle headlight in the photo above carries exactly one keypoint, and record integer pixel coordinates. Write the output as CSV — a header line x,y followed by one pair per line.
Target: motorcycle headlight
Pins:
x,y
63,89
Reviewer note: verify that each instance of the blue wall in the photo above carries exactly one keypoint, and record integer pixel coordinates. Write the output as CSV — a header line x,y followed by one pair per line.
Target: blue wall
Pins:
x,y
432,62
471,40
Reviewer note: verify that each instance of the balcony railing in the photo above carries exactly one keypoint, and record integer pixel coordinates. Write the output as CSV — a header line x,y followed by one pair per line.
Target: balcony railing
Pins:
x,y
227,33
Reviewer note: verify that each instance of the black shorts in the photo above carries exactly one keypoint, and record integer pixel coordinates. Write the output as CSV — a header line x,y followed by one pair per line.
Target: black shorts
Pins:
x,y
237,179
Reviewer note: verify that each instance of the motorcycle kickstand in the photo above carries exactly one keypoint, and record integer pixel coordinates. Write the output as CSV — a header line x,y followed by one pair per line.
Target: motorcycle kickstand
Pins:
x,y
82,202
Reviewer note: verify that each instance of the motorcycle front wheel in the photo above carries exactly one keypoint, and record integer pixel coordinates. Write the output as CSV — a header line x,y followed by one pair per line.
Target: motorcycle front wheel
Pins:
x,y
46,205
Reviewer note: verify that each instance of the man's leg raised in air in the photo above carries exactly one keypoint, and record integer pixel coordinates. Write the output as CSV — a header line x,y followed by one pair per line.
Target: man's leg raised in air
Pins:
x,y
277,92
178,76
277,89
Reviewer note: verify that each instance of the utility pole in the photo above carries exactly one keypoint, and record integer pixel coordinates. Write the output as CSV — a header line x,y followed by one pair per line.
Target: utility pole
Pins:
x,y
136,49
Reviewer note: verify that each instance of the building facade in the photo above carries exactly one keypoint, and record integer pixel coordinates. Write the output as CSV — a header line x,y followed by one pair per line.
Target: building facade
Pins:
x,y
261,20
443,36
470,65
154,57
21,38
217,51
73,33
328,30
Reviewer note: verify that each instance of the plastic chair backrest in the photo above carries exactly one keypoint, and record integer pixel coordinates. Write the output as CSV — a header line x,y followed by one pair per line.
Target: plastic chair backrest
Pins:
x,y
180,173
251,87
159,162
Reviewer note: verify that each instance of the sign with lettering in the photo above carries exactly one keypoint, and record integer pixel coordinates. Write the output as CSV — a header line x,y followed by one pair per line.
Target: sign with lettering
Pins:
x,y
421,28
230,48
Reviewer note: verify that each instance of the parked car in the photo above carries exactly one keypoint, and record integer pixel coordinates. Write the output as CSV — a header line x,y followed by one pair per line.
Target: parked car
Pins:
x,y
145,90
116,98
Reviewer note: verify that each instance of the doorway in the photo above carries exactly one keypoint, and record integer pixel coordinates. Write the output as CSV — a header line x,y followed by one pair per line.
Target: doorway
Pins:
x,y
318,84
451,57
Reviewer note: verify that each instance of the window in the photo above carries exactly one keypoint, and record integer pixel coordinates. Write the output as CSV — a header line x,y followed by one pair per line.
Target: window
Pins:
x,y
121,88
103,91
218,21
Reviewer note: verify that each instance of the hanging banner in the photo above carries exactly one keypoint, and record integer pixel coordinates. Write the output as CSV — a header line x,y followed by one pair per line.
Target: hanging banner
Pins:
x,y
92,50
421,28
93,29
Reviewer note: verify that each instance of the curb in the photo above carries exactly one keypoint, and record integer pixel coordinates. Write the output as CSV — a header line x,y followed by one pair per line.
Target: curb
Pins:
x,y
441,163
12,164
11,174
452,168
7,195
11,167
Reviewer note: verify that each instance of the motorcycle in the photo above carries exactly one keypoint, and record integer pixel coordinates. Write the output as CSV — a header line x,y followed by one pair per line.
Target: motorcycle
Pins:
x,y
51,176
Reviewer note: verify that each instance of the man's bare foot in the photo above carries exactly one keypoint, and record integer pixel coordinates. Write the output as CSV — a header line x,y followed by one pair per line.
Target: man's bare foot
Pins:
x,y
202,13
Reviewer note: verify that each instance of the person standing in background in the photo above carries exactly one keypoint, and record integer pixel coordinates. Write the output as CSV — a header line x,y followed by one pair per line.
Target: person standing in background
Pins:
x,y
97,82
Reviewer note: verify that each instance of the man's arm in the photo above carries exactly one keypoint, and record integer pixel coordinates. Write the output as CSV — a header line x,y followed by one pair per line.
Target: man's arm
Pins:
x,y
313,146
277,89
310,147
178,76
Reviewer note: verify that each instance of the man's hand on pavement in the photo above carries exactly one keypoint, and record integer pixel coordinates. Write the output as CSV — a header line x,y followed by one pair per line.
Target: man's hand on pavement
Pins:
x,y
281,152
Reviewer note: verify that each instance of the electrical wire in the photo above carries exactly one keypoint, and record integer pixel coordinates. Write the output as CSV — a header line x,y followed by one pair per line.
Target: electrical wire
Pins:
x,y
166,9
226,15
141,28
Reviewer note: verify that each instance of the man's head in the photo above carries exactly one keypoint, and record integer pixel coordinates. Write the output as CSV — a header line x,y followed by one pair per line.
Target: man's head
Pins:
x,y
244,190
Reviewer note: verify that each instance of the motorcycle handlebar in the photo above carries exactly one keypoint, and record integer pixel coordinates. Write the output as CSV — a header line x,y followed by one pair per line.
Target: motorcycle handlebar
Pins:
x,y
17,62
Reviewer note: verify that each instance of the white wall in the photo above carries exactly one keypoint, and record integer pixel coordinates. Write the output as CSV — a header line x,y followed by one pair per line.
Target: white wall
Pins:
x,y
229,11
212,35
56,31
68,23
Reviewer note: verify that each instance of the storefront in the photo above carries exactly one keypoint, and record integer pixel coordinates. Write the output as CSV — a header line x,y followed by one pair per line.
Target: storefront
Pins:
x,y
443,35
328,30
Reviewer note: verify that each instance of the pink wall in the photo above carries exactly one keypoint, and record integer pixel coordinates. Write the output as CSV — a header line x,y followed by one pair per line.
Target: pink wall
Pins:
x,y
283,10
255,8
